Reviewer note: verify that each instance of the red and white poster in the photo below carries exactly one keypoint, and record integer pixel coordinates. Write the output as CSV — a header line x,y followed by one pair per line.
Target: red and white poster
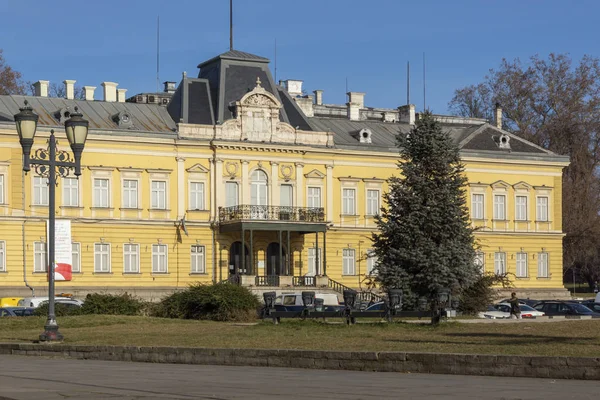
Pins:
x,y
63,256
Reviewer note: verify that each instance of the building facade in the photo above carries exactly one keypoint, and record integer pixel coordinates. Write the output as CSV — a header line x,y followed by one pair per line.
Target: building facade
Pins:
x,y
243,179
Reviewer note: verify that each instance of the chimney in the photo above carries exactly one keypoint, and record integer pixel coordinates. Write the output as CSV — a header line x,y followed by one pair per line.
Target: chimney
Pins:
x,y
407,114
294,87
169,87
498,116
318,97
88,92
110,91
356,101
121,95
69,89
41,88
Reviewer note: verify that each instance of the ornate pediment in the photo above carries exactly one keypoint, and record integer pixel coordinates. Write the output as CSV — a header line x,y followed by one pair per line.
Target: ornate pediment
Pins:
x,y
259,97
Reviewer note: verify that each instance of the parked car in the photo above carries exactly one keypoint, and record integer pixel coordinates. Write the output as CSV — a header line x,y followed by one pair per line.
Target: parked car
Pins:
x,y
493,313
566,308
70,303
36,301
526,311
527,302
293,302
16,311
9,301
380,306
591,304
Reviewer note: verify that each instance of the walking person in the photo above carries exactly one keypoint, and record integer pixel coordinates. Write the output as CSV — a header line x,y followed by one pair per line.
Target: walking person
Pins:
x,y
515,309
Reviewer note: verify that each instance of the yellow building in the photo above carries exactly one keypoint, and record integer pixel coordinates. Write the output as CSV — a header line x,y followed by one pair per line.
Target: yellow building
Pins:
x,y
242,179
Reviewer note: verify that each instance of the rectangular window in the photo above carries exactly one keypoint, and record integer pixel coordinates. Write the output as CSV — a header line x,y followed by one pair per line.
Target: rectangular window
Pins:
x,y
521,208
231,194
70,192
312,262
313,197
130,193
371,262
348,262
101,257
40,262
543,270
480,260
197,196
2,188
500,263
372,202
2,255
76,257
40,191
348,202
542,209
198,266
159,195
286,192
477,206
159,258
499,207
522,271
131,258
101,193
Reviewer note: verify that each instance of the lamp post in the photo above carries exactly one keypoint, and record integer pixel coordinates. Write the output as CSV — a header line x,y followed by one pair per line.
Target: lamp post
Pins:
x,y
49,162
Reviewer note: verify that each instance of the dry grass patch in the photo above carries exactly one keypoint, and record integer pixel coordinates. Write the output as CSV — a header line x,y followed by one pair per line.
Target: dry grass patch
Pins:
x,y
577,338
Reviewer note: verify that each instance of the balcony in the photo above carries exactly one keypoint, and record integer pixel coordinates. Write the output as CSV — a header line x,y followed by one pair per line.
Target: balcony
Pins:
x,y
307,219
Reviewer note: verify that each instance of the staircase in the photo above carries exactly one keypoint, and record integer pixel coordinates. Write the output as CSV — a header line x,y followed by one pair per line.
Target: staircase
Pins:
x,y
366,297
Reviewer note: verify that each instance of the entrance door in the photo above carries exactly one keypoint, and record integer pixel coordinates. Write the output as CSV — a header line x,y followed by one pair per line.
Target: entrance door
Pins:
x,y
312,261
274,266
235,259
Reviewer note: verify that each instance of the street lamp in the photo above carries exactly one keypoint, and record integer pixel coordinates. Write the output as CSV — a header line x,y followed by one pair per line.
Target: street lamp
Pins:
x,y
48,162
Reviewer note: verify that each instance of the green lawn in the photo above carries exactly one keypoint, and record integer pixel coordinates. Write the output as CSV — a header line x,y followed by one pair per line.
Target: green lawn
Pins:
x,y
576,338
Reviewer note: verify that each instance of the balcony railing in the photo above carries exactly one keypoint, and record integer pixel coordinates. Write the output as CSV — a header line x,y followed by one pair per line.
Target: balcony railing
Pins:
x,y
304,281
271,213
267,280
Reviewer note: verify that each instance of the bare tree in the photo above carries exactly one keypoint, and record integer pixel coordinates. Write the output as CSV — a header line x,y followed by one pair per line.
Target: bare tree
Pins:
x,y
10,80
59,90
555,104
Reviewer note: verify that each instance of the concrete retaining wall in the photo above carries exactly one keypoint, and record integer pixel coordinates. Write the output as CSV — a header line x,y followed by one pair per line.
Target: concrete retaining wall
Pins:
x,y
458,364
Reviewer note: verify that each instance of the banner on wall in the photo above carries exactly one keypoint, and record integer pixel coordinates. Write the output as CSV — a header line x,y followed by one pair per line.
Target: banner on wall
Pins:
x,y
63,256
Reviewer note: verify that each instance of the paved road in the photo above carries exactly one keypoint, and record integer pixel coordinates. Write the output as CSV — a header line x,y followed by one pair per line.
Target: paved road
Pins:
x,y
26,378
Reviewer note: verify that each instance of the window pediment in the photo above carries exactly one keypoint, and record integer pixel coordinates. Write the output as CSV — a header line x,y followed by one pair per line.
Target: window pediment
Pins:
x,y
198,168
522,186
500,185
315,174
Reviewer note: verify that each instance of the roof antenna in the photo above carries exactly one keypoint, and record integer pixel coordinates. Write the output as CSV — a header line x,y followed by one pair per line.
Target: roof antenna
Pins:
x,y
230,25
157,52
346,84
408,82
424,93
276,61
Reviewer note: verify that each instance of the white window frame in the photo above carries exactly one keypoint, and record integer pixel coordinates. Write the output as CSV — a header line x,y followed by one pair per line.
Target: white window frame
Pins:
x,y
40,191
313,197
543,265
477,206
197,259
102,200
67,192
522,265
348,262
371,262
131,250
373,202
102,249
521,210
348,202
499,207
40,255
311,265
76,257
161,194
500,262
131,196
542,210
2,256
480,260
286,186
161,251
196,197
236,185
3,189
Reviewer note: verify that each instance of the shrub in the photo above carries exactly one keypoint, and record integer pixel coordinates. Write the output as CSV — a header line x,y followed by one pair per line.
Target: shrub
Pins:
x,y
123,304
483,292
60,309
218,302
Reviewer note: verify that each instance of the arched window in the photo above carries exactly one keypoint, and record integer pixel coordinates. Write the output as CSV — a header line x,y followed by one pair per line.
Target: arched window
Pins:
x,y
258,189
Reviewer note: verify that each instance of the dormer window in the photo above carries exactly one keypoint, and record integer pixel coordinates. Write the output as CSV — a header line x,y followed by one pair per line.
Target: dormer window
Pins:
x,y
364,135
504,141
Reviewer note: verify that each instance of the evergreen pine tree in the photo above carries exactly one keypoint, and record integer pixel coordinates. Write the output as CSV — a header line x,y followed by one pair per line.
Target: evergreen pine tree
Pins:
x,y
425,240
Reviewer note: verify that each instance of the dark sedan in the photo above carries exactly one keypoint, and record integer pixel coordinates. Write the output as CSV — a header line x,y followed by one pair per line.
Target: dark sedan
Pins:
x,y
565,308
592,305
16,311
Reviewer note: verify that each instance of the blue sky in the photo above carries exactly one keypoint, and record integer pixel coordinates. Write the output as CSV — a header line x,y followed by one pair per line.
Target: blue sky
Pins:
x,y
322,42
